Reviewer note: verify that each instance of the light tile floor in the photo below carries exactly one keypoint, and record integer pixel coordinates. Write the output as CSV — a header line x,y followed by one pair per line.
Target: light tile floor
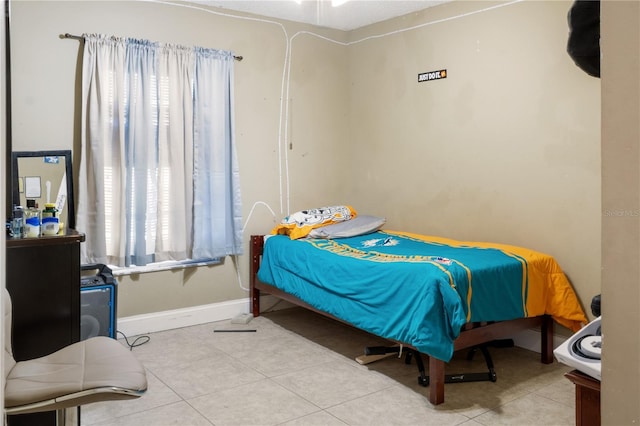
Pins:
x,y
298,368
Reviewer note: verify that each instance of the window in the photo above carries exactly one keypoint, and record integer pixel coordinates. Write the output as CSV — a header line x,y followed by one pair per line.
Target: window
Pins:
x,y
159,179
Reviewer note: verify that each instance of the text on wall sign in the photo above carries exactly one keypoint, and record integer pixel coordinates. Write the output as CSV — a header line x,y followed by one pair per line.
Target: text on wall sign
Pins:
x,y
432,75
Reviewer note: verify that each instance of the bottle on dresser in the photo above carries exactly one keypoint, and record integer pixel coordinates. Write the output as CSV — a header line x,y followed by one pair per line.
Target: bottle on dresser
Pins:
x,y
31,220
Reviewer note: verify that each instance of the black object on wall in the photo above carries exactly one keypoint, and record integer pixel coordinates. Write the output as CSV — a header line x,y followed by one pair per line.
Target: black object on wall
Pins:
x,y
584,35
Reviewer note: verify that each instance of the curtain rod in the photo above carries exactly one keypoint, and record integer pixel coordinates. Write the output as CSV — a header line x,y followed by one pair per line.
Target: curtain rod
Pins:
x,y
75,37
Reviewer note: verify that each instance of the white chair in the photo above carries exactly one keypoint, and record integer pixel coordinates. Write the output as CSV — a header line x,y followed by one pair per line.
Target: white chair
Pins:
x,y
92,370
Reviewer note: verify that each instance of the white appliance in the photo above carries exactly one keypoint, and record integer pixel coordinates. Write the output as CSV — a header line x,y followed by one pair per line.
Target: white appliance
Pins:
x,y
582,350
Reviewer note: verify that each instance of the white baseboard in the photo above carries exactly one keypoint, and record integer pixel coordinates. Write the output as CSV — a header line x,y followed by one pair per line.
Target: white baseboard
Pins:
x,y
177,318
531,340
186,317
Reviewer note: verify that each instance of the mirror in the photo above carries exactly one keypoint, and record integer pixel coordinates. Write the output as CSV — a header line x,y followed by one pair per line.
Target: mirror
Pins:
x,y
46,177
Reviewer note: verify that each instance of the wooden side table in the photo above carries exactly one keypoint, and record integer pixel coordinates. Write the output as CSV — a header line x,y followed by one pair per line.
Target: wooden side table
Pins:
x,y
587,398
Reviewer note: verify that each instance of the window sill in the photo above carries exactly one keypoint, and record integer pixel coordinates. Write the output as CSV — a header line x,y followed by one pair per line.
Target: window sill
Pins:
x,y
162,266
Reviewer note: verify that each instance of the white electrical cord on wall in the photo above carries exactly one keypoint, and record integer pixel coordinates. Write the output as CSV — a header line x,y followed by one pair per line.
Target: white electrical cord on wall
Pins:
x,y
283,142
235,257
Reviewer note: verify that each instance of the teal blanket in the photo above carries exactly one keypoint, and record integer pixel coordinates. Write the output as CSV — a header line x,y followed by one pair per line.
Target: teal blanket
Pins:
x,y
400,287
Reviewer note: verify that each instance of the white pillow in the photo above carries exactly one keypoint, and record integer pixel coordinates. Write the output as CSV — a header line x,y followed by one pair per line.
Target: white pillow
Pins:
x,y
359,225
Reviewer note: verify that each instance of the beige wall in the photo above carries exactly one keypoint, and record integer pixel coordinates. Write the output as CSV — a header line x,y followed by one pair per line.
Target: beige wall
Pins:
x,y
620,208
45,116
505,149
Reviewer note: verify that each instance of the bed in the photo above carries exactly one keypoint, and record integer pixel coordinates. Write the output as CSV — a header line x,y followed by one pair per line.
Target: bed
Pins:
x,y
431,294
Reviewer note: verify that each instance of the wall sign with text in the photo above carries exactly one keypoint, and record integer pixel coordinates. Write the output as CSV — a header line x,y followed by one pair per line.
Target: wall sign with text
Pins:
x,y
432,75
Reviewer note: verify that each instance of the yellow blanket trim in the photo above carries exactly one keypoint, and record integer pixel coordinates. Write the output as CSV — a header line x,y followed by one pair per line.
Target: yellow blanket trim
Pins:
x,y
549,290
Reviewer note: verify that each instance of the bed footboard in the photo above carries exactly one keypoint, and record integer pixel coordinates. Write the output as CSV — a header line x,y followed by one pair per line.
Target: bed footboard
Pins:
x,y
472,335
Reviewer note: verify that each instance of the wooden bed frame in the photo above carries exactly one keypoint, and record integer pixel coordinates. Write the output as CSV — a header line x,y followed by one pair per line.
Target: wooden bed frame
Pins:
x,y
472,334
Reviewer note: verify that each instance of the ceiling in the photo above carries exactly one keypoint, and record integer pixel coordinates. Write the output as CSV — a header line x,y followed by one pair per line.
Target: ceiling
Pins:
x,y
348,16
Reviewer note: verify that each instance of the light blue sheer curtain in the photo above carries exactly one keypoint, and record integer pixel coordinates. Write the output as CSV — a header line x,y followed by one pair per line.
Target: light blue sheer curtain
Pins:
x,y
159,177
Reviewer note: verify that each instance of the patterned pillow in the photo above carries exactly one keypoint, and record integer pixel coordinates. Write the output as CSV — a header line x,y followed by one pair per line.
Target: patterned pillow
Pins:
x,y
299,224
359,225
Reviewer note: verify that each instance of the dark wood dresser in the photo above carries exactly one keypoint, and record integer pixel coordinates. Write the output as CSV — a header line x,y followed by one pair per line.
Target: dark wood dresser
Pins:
x,y
43,279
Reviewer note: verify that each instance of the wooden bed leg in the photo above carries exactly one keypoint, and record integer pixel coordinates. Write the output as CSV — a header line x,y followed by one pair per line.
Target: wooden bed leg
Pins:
x,y
546,337
255,302
436,381
255,251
